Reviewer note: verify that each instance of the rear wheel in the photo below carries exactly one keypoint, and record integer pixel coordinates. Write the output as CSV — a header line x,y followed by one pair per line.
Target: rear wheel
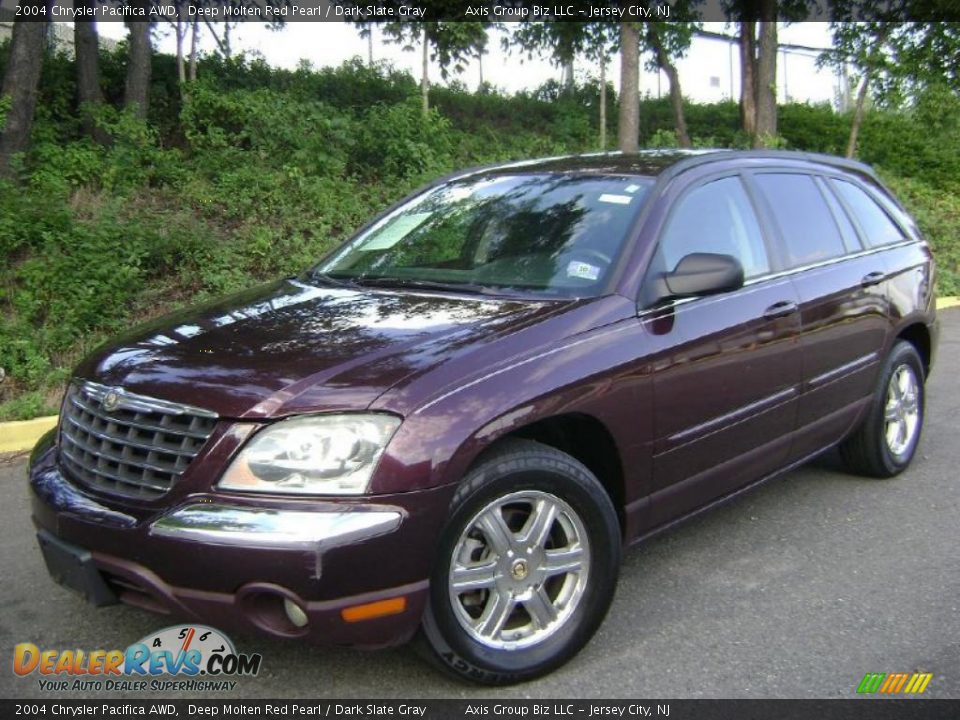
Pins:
x,y
527,567
887,440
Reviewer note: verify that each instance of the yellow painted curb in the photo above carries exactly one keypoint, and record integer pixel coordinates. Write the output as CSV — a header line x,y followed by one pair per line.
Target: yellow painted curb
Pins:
x,y
18,436
23,435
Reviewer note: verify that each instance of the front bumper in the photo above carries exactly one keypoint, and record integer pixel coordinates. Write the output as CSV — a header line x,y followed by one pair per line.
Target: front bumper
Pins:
x,y
240,563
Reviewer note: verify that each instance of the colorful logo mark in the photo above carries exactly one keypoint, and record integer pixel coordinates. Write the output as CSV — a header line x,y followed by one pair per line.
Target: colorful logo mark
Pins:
x,y
177,650
895,683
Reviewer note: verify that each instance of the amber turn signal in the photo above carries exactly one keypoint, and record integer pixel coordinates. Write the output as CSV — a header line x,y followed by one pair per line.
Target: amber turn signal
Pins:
x,y
369,611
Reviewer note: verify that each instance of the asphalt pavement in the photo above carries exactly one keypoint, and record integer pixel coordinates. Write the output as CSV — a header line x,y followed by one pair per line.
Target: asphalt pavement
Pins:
x,y
795,590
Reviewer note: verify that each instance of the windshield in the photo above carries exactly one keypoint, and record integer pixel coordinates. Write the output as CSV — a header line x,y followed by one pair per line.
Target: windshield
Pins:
x,y
553,234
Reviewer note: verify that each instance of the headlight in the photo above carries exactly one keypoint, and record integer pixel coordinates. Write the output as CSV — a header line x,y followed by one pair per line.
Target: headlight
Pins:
x,y
315,455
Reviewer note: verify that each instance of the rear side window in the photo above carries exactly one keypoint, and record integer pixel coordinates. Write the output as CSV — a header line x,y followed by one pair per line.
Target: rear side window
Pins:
x,y
809,230
847,231
878,229
714,218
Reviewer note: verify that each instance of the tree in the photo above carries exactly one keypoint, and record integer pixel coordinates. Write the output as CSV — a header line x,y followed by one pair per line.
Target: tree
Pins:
x,y
185,26
20,83
758,75
139,59
87,49
766,75
563,41
664,41
757,20
862,45
628,129
667,41
893,58
450,44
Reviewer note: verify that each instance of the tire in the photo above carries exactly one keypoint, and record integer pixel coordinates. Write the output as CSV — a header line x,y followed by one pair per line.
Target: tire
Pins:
x,y
886,441
532,534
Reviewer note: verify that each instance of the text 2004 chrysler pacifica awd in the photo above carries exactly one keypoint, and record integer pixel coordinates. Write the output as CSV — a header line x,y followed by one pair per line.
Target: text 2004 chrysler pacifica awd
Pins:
x,y
453,424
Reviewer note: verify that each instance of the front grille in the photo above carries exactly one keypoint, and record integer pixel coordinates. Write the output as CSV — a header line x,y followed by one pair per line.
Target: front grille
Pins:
x,y
126,444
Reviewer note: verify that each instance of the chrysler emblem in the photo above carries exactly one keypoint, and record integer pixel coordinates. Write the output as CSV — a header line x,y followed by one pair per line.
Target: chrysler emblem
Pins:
x,y
111,401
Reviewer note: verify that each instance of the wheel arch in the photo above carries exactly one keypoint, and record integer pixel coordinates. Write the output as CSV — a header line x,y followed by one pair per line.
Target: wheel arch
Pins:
x,y
918,335
585,438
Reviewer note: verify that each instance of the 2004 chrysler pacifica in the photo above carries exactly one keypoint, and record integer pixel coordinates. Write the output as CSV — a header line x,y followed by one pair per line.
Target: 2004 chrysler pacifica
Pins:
x,y
454,423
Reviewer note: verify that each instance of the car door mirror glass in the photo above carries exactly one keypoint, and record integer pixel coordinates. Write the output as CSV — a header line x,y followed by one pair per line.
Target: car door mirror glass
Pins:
x,y
701,274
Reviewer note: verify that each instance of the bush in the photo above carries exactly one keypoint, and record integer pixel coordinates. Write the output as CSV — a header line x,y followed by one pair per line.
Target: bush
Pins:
x,y
938,215
399,141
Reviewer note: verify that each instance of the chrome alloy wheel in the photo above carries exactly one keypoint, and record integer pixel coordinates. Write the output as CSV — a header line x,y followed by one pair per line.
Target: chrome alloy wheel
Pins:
x,y
519,570
902,410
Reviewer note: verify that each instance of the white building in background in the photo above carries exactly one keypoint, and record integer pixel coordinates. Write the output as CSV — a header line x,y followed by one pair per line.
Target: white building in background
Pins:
x,y
710,72
60,34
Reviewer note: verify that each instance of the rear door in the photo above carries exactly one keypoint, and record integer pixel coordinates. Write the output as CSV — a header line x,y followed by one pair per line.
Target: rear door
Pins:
x,y
727,376
843,307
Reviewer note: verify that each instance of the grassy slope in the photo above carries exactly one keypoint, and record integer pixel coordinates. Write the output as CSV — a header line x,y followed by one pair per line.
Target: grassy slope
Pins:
x,y
259,172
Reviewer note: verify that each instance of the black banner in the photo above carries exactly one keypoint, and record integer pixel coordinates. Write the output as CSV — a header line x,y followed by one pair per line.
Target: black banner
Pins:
x,y
854,709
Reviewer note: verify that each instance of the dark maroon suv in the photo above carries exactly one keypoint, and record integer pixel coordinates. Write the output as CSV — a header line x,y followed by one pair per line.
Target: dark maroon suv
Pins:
x,y
453,424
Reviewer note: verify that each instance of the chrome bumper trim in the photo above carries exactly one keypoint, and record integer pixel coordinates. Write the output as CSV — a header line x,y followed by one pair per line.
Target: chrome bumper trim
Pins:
x,y
269,527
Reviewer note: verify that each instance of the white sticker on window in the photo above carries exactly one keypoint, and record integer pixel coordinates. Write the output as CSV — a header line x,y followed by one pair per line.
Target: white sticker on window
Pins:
x,y
395,231
582,270
631,188
616,199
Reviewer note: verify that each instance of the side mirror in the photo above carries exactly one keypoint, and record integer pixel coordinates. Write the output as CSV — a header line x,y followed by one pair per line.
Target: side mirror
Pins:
x,y
701,274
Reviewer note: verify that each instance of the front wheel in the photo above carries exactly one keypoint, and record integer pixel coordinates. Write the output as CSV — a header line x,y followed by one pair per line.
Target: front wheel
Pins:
x,y
887,440
527,567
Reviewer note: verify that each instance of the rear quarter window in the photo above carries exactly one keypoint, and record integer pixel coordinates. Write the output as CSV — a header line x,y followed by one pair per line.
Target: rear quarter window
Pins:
x,y
876,226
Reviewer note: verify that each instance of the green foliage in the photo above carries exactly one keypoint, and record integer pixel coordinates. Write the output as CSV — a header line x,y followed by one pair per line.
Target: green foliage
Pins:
x,y
398,141
26,407
938,215
663,138
5,103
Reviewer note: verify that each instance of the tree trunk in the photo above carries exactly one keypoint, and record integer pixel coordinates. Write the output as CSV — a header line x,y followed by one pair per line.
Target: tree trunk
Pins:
x,y
748,78
629,122
370,44
194,46
20,83
676,94
181,31
858,114
567,75
425,74
875,50
603,103
137,90
89,94
767,76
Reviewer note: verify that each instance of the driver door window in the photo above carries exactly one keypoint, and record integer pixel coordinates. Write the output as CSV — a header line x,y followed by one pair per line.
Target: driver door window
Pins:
x,y
714,218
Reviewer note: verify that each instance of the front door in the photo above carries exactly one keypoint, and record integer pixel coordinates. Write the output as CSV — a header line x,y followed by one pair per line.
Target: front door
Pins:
x,y
727,383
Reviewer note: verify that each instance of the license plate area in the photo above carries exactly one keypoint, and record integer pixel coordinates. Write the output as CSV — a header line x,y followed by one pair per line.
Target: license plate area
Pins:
x,y
73,567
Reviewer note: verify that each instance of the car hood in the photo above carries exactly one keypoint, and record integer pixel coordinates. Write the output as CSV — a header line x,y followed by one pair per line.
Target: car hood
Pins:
x,y
294,347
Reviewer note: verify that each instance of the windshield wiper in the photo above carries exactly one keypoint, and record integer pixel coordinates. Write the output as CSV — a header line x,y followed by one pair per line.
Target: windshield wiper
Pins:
x,y
392,282
317,276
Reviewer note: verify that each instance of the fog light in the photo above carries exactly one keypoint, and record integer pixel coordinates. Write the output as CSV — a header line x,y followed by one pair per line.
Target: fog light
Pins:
x,y
295,613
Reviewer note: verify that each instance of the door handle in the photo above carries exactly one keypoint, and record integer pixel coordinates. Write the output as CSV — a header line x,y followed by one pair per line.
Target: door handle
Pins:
x,y
874,278
780,309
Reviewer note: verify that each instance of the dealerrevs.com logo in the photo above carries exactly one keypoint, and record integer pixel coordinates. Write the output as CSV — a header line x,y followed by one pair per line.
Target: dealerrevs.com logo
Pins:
x,y
203,655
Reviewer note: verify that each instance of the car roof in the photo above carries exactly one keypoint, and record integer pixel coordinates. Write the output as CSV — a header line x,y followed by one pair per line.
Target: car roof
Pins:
x,y
652,163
